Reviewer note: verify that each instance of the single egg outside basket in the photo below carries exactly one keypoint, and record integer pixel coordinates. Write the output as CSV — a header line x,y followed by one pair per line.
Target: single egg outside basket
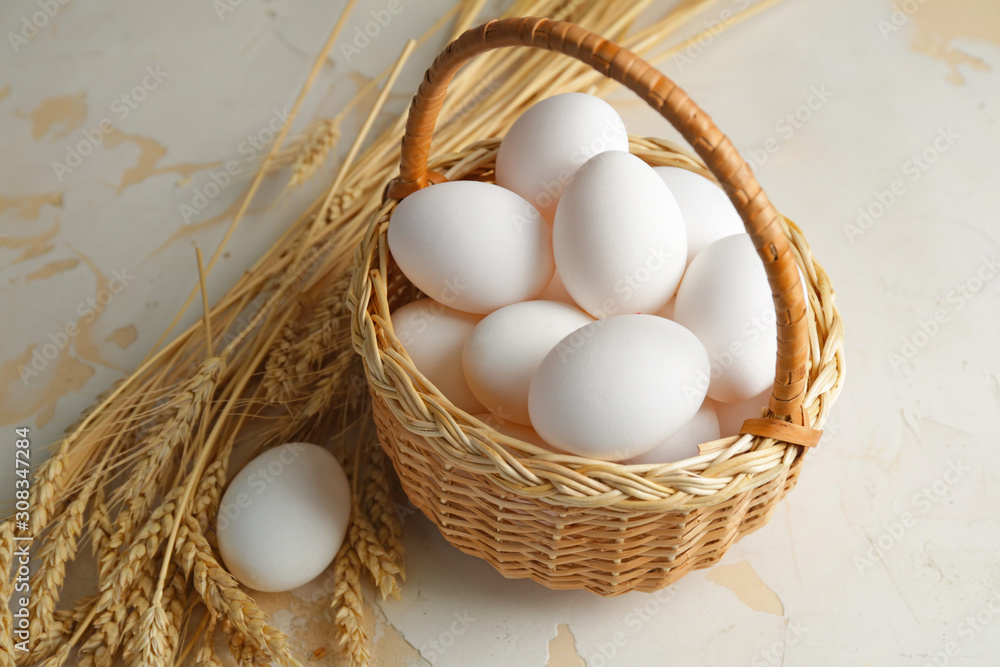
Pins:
x,y
565,521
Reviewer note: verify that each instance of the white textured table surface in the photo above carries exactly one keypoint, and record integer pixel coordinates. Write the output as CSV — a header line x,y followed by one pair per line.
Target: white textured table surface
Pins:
x,y
875,130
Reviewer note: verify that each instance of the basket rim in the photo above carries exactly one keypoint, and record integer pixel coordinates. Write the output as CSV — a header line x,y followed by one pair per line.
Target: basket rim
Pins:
x,y
723,469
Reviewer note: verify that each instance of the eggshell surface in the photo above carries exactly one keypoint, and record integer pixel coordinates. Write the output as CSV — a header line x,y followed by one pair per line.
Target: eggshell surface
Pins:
x,y
473,246
283,517
703,427
506,347
618,237
618,387
725,300
732,415
708,213
545,146
434,337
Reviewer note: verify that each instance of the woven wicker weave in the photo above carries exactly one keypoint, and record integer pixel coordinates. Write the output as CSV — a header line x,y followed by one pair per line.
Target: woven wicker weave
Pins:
x,y
566,521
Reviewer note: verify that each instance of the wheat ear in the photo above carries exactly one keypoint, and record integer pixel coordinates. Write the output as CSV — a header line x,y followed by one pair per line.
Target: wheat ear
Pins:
x,y
349,605
317,147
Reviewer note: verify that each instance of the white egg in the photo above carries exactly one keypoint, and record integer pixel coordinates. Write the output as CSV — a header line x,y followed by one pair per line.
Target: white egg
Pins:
x,y
283,517
708,213
703,427
618,237
732,415
472,246
618,387
503,352
548,143
725,300
434,336
519,431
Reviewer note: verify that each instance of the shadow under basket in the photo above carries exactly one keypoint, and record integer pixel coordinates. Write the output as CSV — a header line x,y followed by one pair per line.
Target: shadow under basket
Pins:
x,y
565,521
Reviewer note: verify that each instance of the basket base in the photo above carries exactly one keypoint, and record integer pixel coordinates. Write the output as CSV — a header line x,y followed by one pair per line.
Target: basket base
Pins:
x,y
608,551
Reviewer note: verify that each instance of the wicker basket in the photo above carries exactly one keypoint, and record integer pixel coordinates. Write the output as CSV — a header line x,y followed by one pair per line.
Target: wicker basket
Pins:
x,y
565,521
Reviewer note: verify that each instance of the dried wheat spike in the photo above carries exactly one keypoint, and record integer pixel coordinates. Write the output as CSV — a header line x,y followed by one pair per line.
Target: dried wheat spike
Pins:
x,y
100,523
223,596
149,645
142,549
315,151
128,586
59,658
329,318
165,441
44,496
57,549
139,601
279,381
322,396
103,642
349,607
373,556
175,602
205,656
378,501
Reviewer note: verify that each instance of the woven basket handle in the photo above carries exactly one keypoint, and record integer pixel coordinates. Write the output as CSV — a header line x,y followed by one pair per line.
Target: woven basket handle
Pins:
x,y
759,215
